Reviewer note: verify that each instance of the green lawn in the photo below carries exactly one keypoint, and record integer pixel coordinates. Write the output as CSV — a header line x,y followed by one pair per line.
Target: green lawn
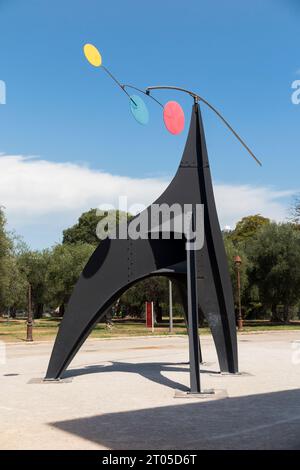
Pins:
x,y
46,329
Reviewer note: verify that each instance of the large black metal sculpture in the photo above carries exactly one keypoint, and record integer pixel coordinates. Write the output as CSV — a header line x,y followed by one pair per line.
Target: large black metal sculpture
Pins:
x,y
201,275
117,264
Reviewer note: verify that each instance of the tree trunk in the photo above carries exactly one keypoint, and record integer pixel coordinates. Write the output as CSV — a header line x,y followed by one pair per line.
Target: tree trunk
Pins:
x,y
39,310
61,310
286,313
275,317
13,312
158,311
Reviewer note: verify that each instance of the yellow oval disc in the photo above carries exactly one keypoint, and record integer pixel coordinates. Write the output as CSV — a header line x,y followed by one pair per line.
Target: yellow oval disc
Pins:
x,y
92,54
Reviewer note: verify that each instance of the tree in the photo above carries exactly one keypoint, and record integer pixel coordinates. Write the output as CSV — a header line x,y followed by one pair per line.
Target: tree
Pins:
x,y
9,276
4,247
249,292
34,266
152,289
85,229
247,227
64,267
275,258
15,287
295,210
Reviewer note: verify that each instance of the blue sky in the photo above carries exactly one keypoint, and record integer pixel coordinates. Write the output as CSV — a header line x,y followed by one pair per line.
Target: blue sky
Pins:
x,y
241,56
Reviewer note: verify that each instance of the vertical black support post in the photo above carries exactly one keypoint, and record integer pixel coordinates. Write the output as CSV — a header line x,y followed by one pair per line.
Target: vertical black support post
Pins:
x,y
194,346
200,351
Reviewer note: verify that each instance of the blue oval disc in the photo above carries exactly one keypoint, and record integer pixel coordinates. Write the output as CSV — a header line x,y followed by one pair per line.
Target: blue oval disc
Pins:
x,y
139,109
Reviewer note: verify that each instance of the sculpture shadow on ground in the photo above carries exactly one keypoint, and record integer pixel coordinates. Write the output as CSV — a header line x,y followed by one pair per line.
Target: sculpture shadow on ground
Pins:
x,y
264,421
150,370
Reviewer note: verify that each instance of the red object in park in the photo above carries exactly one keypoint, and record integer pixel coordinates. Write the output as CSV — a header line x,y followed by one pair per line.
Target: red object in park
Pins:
x,y
149,315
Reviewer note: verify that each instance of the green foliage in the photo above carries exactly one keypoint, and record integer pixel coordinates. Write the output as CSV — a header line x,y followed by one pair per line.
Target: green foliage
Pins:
x,y
232,250
153,289
85,229
295,211
15,286
275,258
5,262
247,227
64,267
33,265
249,292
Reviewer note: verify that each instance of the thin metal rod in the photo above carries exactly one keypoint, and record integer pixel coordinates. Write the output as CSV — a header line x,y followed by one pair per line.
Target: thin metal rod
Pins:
x,y
170,307
231,129
196,98
118,83
144,92
191,93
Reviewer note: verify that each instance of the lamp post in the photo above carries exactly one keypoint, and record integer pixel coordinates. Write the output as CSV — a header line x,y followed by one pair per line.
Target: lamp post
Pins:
x,y
29,316
237,263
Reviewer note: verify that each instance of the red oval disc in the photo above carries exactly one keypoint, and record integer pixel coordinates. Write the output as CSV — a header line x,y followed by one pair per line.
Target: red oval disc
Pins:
x,y
173,117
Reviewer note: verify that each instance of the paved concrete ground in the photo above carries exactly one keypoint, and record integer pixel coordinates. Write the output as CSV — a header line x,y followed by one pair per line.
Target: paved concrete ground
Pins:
x,y
121,396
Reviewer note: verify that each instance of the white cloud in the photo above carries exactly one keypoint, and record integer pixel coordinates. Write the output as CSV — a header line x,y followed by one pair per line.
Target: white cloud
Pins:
x,y
236,201
34,187
49,196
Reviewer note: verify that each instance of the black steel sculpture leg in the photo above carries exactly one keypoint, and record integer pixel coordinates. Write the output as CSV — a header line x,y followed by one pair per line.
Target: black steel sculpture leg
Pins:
x,y
181,285
214,284
193,322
